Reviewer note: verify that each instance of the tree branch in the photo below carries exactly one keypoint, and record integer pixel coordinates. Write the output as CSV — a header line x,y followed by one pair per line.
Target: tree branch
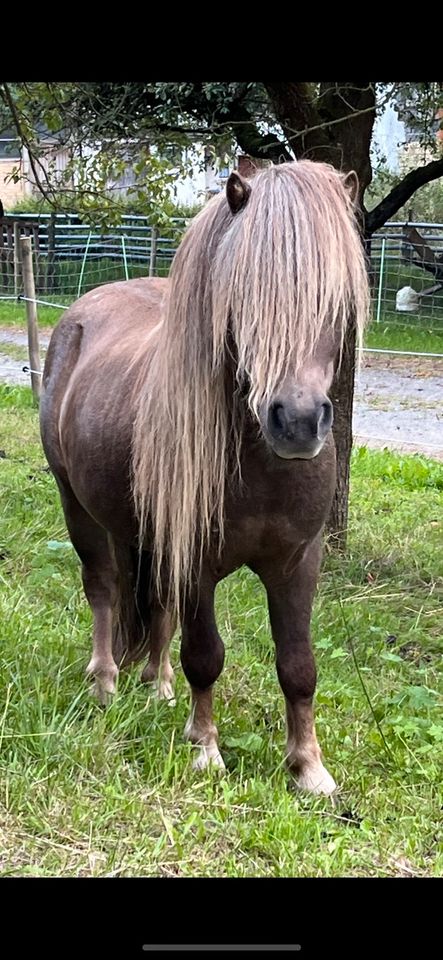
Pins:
x,y
33,160
261,146
234,119
295,111
401,193
257,145
427,258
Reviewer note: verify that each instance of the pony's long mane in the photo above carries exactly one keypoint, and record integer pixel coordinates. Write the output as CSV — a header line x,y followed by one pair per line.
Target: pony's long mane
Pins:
x,y
275,277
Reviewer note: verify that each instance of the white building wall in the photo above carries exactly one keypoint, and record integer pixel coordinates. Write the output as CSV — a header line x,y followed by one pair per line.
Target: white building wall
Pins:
x,y
202,179
388,138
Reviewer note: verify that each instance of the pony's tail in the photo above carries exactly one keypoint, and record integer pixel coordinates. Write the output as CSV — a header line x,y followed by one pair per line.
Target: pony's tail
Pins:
x,y
132,612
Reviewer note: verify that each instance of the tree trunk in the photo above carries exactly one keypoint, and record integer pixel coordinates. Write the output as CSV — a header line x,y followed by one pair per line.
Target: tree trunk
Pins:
x,y
342,396
336,127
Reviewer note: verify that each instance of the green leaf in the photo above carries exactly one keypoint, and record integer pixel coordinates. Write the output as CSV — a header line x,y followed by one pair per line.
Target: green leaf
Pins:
x,y
392,657
339,654
324,643
436,731
421,697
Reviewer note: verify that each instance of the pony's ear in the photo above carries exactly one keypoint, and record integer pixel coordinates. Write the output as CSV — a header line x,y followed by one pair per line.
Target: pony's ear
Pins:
x,y
351,184
237,192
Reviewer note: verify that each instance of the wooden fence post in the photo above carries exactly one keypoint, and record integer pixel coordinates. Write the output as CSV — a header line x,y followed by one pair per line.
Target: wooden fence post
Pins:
x,y
31,315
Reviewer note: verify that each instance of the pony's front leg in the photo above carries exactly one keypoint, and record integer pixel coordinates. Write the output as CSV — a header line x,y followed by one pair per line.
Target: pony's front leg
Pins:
x,y
202,657
290,598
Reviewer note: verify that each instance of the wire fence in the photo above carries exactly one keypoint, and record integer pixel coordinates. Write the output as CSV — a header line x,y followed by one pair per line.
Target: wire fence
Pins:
x,y
71,258
405,415
408,255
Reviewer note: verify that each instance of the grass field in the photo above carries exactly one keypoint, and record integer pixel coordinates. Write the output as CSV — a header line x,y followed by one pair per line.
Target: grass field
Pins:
x,y
417,335
92,793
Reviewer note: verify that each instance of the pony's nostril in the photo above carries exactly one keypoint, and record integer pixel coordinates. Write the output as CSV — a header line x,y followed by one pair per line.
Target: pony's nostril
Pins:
x,y
325,418
277,417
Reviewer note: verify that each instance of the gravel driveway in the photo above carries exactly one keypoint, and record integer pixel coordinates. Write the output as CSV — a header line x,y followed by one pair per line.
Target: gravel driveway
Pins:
x,y
399,404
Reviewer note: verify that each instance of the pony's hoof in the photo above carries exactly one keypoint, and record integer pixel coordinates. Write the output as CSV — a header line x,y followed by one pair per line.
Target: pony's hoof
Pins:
x,y
165,691
102,695
104,686
316,780
209,756
149,674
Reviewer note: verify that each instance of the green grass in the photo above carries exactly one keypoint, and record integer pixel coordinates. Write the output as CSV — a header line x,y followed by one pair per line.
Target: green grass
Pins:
x,y
91,793
13,314
416,335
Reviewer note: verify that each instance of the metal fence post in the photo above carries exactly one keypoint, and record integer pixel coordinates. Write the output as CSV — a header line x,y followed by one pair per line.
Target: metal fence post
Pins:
x,y
83,264
125,259
380,279
153,253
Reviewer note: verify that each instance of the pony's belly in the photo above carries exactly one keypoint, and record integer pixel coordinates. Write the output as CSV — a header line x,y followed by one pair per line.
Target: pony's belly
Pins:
x,y
95,445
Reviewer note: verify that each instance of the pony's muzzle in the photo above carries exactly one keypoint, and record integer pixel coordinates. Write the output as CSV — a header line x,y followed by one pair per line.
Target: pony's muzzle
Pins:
x,y
298,431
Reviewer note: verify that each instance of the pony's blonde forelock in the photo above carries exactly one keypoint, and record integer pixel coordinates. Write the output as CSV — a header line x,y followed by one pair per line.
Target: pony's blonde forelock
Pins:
x,y
275,277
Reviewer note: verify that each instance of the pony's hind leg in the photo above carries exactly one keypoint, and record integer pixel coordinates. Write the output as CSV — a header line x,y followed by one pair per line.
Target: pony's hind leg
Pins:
x,y
100,585
159,669
202,657
290,600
